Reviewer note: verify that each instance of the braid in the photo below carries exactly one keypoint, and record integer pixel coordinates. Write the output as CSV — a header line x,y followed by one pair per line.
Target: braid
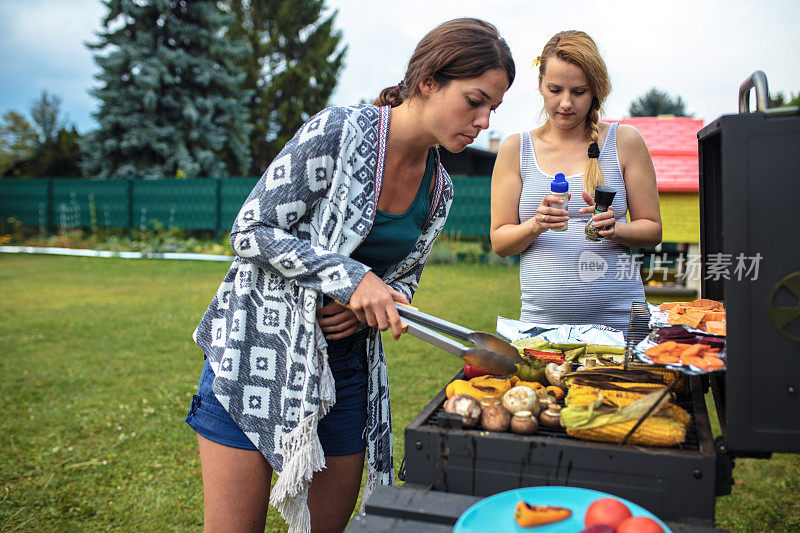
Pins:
x,y
393,96
593,175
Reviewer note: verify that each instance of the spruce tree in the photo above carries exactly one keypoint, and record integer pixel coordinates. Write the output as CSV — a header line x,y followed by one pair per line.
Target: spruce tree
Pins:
x,y
655,103
292,70
171,96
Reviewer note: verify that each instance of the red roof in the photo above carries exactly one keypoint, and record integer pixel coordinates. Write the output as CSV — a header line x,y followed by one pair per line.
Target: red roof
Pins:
x,y
673,146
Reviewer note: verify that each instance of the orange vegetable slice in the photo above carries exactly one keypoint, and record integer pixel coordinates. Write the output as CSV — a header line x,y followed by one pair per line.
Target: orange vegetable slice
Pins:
x,y
691,318
706,302
715,316
666,306
692,351
693,360
717,328
536,515
666,359
673,316
557,392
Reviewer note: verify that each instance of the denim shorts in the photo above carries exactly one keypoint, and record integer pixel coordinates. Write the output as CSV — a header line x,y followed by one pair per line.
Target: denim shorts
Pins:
x,y
341,431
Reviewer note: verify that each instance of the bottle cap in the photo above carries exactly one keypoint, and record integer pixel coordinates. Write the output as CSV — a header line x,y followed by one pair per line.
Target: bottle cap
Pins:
x,y
603,196
559,184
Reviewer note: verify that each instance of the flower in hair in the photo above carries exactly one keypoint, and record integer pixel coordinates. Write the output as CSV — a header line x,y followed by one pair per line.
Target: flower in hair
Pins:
x,y
536,62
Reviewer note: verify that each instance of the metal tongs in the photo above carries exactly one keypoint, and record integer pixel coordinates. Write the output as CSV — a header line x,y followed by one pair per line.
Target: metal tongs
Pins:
x,y
490,354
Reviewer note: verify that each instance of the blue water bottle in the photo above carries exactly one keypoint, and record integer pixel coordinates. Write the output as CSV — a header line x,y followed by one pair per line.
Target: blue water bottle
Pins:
x,y
559,187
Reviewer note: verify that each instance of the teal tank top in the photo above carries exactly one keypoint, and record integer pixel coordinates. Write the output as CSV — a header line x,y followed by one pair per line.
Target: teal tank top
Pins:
x,y
393,236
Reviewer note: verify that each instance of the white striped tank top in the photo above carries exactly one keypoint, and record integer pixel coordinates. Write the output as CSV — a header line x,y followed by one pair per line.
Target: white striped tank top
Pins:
x,y
564,278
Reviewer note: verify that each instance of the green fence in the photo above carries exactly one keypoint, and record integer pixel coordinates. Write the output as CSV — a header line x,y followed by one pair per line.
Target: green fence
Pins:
x,y
193,204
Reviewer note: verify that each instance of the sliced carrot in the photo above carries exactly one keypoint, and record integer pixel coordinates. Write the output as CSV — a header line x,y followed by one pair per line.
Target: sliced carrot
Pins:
x,y
660,349
654,352
666,359
699,362
692,351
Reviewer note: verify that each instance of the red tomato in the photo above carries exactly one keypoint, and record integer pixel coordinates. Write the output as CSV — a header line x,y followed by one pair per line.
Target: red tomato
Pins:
x,y
609,511
639,524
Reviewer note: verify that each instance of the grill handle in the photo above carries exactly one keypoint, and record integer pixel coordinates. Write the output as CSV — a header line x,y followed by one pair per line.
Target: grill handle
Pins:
x,y
758,80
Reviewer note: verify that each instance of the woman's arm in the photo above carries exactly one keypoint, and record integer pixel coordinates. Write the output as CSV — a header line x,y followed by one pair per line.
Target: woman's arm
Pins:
x,y
264,232
644,229
509,236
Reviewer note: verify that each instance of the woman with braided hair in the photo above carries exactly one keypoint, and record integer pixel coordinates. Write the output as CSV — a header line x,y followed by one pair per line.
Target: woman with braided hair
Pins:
x,y
564,278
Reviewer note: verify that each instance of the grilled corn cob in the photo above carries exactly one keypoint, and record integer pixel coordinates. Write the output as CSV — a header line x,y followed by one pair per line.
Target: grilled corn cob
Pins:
x,y
654,431
584,395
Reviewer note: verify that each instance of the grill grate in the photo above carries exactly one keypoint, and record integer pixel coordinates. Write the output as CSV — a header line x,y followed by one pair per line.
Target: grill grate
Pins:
x,y
638,328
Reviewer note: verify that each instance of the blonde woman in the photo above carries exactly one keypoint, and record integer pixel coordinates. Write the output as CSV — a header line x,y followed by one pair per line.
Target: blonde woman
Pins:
x,y
564,278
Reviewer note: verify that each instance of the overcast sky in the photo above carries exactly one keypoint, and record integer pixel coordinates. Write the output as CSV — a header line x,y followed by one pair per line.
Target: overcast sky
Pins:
x,y
700,50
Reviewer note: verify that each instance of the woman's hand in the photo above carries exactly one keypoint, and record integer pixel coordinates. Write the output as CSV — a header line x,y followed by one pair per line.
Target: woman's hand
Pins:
x,y
373,303
549,214
336,321
605,222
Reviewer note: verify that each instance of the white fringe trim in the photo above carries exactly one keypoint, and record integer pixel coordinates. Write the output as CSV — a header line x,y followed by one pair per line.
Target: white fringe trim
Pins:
x,y
327,390
302,456
369,486
327,385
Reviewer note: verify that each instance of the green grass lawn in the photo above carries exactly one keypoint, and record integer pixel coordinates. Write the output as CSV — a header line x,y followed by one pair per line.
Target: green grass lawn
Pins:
x,y
98,369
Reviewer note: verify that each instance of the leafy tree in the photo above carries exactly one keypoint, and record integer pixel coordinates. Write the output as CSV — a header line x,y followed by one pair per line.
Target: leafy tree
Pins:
x,y
292,70
58,158
780,100
655,103
46,114
171,98
17,139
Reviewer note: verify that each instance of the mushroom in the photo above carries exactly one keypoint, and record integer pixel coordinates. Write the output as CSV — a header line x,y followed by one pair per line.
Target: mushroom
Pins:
x,y
495,418
521,398
554,372
551,417
524,423
547,402
466,406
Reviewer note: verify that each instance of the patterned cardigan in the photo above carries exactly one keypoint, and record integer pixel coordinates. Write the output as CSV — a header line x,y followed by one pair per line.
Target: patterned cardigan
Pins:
x,y
292,238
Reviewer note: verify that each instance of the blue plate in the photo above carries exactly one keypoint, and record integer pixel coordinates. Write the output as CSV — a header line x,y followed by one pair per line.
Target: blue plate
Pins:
x,y
496,513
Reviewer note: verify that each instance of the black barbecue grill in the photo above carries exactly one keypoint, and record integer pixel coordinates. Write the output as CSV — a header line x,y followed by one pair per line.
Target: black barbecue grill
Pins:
x,y
677,483
749,180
